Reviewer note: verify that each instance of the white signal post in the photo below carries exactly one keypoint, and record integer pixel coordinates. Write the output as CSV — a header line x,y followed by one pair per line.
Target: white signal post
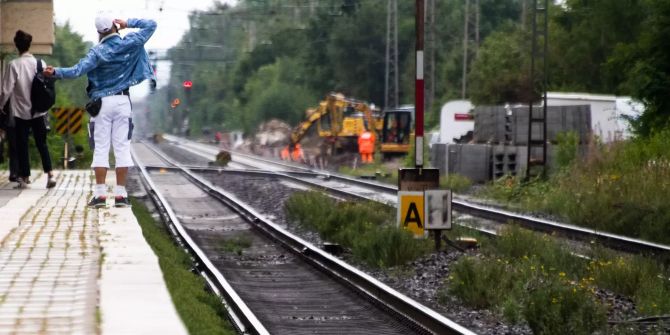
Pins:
x,y
419,86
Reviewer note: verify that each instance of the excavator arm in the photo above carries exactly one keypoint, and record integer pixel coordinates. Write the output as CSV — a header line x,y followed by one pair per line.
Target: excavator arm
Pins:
x,y
301,130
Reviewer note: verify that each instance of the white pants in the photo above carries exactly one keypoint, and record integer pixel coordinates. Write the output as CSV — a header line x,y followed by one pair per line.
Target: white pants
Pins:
x,y
113,125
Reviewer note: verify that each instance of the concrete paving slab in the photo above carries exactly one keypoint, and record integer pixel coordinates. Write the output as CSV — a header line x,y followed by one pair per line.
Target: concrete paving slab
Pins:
x,y
133,295
52,279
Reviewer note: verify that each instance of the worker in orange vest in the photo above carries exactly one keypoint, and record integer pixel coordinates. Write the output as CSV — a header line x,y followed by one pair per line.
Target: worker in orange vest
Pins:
x,y
297,155
366,146
285,154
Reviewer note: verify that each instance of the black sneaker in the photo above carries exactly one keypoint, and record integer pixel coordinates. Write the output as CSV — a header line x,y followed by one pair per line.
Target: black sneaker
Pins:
x,y
98,202
121,201
51,183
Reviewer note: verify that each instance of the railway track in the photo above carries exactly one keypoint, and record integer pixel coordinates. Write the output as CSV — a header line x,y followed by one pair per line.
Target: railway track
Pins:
x,y
363,189
276,283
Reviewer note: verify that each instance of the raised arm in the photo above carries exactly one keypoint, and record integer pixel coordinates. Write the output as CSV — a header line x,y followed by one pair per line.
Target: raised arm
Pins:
x,y
86,64
147,28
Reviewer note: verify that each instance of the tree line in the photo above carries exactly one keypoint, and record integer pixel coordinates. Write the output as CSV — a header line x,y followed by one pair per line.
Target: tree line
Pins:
x,y
263,59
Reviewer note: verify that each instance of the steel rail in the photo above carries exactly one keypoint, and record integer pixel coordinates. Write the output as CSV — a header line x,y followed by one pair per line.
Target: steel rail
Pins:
x,y
416,314
610,240
240,315
421,316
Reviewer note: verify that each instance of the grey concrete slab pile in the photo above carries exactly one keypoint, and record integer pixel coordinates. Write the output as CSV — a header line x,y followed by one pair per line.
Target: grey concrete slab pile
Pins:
x,y
470,160
509,125
508,160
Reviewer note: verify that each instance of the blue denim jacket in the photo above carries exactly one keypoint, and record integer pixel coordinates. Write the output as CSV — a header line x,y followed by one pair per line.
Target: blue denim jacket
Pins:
x,y
115,63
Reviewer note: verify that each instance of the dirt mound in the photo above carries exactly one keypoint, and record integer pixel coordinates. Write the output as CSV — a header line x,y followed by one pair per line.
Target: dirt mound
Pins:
x,y
272,133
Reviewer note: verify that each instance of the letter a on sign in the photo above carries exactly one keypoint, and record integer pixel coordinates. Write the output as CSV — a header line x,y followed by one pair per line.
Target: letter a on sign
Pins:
x,y
410,212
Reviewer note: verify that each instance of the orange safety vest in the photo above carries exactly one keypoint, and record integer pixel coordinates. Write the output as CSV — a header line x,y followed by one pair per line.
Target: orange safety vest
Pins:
x,y
366,143
297,154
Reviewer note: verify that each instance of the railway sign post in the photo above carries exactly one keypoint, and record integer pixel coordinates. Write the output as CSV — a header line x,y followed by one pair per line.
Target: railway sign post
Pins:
x,y
411,186
437,209
68,123
419,86
411,212
415,184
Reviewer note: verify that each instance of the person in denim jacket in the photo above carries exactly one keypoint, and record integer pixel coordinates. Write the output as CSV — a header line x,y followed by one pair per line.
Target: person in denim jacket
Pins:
x,y
112,66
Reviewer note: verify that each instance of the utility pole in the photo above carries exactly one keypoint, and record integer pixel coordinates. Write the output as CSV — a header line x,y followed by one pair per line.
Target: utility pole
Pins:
x,y
469,28
391,80
466,18
429,74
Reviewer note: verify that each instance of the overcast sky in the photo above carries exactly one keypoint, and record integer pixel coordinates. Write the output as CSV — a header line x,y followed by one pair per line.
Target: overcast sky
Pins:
x,y
172,21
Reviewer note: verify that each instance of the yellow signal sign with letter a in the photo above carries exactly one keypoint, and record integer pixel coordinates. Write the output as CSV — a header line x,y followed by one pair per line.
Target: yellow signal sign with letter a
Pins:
x,y
411,212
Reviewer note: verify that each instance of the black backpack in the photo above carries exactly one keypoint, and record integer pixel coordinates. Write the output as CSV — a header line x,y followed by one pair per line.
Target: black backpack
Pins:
x,y
42,92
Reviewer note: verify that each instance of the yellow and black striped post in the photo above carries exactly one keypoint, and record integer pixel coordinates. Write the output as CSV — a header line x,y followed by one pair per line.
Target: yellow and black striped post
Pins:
x,y
68,123
69,120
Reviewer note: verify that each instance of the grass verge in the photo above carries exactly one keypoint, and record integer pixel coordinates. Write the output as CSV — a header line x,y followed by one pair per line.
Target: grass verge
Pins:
x,y
532,277
367,228
621,187
201,311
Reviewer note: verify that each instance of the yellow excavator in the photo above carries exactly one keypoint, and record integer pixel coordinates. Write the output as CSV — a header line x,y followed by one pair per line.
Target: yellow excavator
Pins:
x,y
339,120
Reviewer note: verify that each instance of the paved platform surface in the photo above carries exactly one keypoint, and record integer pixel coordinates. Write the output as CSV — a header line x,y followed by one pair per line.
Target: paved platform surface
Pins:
x,y
67,269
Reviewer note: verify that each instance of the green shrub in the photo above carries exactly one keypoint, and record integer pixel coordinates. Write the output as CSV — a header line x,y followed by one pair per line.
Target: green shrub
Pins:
x,y
367,228
455,182
567,149
235,244
524,289
643,279
518,243
620,187
556,307
481,283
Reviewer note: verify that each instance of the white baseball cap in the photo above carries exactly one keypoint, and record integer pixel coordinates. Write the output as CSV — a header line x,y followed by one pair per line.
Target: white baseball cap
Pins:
x,y
104,22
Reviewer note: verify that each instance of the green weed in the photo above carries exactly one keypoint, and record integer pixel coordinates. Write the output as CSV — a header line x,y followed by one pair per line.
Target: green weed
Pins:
x,y
619,187
235,244
202,312
455,182
367,228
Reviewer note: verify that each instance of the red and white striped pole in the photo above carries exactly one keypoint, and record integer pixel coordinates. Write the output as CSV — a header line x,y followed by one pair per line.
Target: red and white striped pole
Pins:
x,y
419,87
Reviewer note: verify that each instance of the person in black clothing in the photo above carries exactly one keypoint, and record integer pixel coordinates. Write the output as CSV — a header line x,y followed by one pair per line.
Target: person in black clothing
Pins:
x,y
17,84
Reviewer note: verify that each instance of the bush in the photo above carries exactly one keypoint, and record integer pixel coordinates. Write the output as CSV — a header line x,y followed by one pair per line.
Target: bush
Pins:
x,y
524,289
366,228
567,149
620,188
556,307
480,283
643,279
455,182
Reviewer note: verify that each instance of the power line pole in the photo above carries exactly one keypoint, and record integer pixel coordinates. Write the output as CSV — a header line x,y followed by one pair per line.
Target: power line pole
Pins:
x,y
391,85
466,19
430,40
470,28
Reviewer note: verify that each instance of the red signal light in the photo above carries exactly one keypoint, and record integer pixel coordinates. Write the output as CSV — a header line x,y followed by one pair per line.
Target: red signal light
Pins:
x,y
187,84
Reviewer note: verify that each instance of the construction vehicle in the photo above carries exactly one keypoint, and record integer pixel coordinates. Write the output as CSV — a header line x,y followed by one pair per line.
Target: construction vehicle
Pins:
x,y
339,120
397,131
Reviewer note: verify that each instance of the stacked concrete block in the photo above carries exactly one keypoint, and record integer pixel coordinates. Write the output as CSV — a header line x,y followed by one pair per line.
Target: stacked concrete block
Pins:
x,y
500,125
489,124
508,160
470,160
560,119
438,157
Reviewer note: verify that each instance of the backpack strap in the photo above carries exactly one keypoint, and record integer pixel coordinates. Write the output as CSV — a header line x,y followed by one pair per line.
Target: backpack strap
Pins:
x,y
39,66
